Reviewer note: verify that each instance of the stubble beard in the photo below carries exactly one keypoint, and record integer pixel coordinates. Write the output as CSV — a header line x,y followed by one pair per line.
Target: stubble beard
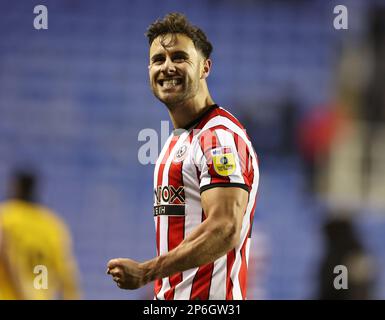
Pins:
x,y
189,90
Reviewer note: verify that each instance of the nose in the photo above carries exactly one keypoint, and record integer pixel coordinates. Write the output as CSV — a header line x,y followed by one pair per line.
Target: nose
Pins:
x,y
168,66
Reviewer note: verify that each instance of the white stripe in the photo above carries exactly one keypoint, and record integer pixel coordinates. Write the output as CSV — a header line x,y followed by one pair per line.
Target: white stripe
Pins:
x,y
183,289
218,280
163,228
237,294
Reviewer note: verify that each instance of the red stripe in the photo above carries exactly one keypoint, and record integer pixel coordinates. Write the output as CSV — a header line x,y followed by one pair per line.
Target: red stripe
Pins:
x,y
229,282
202,280
202,283
175,237
175,232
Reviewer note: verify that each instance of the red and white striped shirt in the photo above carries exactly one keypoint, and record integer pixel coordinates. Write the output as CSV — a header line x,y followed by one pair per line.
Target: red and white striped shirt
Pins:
x,y
215,151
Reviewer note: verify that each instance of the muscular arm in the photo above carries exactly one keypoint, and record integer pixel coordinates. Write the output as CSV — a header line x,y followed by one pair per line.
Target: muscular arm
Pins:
x,y
217,235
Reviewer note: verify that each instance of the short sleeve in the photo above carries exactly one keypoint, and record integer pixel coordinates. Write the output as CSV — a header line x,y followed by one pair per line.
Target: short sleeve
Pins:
x,y
222,159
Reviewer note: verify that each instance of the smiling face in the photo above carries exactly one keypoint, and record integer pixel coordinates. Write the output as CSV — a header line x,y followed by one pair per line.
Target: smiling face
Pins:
x,y
176,69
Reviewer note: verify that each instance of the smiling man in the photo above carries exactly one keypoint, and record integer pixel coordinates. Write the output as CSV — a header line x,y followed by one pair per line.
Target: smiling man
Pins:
x,y
205,179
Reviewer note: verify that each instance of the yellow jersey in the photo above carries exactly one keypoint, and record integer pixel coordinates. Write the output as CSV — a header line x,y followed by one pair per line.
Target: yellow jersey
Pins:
x,y
36,260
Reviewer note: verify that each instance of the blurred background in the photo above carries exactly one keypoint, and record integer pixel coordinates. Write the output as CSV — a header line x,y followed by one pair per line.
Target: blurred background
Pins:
x,y
74,98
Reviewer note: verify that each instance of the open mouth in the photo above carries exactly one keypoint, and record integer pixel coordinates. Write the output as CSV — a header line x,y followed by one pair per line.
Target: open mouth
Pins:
x,y
170,82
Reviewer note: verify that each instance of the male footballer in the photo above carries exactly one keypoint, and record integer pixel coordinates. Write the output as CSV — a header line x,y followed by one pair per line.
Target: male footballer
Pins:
x,y
205,179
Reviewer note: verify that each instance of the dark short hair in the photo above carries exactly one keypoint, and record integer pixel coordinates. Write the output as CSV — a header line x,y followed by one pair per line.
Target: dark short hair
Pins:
x,y
25,183
177,23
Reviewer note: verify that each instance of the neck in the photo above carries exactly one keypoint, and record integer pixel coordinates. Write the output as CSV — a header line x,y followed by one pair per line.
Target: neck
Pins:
x,y
189,110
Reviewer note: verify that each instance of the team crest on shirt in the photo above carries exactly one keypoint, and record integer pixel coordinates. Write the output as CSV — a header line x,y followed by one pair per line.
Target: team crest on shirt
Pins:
x,y
223,161
180,155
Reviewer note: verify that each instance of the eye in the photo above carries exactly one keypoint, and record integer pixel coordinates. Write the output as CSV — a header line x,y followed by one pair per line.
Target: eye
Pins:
x,y
157,60
178,58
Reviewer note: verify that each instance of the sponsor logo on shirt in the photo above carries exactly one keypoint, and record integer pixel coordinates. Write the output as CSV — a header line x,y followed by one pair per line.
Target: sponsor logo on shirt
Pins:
x,y
170,201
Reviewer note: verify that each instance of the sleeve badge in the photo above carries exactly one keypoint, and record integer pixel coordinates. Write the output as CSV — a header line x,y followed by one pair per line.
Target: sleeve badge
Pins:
x,y
223,161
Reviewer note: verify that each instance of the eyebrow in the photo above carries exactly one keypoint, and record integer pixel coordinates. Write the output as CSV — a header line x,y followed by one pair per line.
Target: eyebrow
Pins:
x,y
156,56
179,52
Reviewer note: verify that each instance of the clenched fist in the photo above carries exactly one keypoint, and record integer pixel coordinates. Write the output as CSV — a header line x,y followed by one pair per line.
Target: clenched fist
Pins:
x,y
126,273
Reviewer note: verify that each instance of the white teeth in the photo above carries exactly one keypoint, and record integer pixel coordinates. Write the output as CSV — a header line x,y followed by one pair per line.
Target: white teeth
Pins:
x,y
170,83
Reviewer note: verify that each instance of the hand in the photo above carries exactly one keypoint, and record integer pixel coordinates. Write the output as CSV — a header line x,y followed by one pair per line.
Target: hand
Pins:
x,y
126,273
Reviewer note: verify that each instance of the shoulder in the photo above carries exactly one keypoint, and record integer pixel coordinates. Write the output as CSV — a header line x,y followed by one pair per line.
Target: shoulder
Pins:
x,y
9,210
220,117
52,217
219,124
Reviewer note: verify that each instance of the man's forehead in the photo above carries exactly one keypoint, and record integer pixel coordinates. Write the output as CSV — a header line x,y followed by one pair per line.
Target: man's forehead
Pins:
x,y
171,42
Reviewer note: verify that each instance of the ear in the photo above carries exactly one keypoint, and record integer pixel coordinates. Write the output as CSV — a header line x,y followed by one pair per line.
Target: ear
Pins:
x,y
206,68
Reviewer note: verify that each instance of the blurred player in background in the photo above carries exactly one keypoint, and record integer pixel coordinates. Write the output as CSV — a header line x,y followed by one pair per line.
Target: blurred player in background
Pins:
x,y
31,236
205,179
344,247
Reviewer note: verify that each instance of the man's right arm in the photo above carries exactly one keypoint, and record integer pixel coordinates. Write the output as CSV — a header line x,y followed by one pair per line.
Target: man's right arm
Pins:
x,y
213,238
